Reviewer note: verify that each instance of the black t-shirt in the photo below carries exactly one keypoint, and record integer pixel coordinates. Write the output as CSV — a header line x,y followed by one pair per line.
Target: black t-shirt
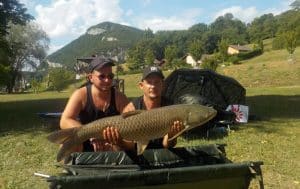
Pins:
x,y
139,105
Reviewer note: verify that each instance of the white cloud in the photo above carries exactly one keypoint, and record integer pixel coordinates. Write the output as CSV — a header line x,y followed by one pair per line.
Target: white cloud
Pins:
x,y
178,22
283,6
73,17
246,15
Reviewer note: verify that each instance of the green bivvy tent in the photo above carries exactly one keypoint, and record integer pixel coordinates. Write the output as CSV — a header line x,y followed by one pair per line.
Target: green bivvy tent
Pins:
x,y
189,167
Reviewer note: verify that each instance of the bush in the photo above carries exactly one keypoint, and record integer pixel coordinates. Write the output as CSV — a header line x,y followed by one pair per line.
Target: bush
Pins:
x,y
278,43
251,54
35,85
59,78
210,63
179,63
234,59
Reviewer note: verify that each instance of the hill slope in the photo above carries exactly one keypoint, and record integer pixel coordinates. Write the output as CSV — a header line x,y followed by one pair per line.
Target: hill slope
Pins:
x,y
105,38
272,68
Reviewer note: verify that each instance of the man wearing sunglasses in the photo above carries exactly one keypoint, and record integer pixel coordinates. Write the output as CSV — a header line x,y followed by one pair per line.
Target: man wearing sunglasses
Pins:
x,y
152,85
97,99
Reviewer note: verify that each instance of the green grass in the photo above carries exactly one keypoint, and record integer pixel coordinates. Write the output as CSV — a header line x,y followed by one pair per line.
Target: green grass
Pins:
x,y
270,69
274,139
268,44
273,95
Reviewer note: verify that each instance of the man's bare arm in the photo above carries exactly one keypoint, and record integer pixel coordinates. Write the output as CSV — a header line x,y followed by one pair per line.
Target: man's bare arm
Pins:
x,y
72,109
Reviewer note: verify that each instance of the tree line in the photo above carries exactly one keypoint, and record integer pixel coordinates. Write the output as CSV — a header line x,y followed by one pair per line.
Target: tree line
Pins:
x,y
216,37
23,44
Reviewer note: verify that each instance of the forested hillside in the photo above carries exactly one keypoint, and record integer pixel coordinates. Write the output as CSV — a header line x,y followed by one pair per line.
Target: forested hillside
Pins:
x,y
106,38
142,47
215,38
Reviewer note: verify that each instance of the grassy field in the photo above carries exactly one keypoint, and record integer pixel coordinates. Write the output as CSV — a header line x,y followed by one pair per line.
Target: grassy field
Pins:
x,y
273,94
270,69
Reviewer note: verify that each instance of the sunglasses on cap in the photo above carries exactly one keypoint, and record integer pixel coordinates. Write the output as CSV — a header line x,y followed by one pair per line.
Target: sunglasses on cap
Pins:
x,y
104,76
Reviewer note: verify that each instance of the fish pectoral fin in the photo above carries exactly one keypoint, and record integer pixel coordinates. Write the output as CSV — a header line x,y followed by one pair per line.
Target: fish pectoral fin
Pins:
x,y
141,146
179,133
131,113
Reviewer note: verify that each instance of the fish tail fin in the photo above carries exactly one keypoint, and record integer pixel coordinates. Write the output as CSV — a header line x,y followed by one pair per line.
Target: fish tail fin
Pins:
x,y
60,136
68,139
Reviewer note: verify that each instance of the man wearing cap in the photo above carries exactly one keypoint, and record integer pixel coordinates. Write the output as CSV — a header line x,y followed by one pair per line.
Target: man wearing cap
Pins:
x,y
152,85
95,100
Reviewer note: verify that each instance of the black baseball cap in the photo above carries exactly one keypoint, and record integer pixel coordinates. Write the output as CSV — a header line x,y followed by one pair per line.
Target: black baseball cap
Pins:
x,y
100,62
152,70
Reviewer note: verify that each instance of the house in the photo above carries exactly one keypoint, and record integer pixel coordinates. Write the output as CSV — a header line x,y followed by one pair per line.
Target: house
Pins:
x,y
236,49
54,65
189,59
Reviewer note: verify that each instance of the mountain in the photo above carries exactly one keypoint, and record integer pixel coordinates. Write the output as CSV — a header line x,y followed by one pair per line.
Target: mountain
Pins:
x,y
109,39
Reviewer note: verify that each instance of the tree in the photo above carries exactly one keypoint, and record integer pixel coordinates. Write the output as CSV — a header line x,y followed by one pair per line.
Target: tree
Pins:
x,y
223,46
197,32
232,29
199,28
35,85
210,63
290,41
4,57
148,34
196,49
289,20
263,27
149,57
260,45
60,78
171,53
295,5
10,11
278,42
135,58
28,45
210,41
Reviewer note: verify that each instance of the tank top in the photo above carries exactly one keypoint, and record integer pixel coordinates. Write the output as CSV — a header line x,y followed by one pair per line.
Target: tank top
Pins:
x,y
139,105
91,113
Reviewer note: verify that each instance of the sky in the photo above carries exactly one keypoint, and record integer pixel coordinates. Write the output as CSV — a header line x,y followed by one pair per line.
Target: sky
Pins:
x,y
65,20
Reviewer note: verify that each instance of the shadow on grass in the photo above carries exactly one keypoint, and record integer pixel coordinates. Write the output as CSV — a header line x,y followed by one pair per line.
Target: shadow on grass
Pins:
x,y
269,107
21,116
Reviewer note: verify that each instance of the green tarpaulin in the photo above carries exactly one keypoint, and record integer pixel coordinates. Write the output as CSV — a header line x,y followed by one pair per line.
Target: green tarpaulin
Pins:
x,y
191,167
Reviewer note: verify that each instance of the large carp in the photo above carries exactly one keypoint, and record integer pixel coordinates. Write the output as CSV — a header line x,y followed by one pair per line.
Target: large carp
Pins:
x,y
140,126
